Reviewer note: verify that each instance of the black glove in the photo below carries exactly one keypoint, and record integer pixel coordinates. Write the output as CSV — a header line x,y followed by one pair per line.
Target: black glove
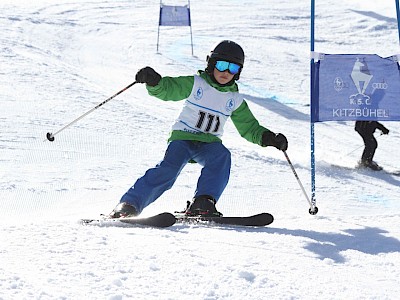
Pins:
x,y
148,76
385,130
279,141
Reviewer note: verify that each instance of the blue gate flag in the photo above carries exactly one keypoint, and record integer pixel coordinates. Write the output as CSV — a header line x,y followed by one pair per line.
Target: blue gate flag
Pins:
x,y
350,87
174,15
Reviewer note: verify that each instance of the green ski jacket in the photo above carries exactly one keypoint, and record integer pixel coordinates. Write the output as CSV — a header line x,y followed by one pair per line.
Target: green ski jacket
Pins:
x,y
180,88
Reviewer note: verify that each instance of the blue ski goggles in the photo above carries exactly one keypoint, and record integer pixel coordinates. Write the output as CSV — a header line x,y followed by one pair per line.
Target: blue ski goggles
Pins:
x,y
222,66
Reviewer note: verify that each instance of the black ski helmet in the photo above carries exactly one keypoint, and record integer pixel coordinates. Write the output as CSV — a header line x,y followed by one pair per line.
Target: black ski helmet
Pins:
x,y
228,51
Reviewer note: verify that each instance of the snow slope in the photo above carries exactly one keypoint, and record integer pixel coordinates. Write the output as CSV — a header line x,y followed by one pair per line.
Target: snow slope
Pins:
x,y
59,60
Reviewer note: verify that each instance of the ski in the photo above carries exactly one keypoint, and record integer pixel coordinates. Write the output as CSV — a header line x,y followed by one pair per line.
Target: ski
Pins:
x,y
161,220
395,173
166,219
258,220
366,170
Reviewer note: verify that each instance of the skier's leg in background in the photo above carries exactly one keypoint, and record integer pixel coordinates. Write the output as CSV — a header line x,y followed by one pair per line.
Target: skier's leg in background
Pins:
x,y
370,146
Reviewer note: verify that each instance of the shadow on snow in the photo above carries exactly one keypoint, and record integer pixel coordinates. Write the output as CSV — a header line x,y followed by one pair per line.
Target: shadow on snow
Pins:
x,y
368,240
278,107
326,245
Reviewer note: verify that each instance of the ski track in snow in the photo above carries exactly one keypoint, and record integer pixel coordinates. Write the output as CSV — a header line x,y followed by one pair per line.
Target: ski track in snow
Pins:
x,y
61,59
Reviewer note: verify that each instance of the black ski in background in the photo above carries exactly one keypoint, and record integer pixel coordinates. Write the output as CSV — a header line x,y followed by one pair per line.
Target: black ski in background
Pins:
x,y
161,220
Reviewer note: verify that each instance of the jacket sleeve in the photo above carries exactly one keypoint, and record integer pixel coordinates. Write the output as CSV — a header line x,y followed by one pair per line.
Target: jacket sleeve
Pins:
x,y
380,126
172,88
247,125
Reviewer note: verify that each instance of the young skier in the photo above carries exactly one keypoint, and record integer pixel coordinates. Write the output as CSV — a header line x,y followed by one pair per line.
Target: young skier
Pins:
x,y
211,97
366,129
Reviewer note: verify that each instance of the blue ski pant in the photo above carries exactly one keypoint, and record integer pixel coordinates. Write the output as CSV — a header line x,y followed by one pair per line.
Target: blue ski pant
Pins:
x,y
214,157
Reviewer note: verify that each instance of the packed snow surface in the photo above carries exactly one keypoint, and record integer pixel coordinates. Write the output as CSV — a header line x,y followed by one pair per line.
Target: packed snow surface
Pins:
x,y
59,59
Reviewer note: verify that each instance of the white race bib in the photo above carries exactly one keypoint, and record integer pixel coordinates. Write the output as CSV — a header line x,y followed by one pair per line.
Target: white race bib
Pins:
x,y
207,109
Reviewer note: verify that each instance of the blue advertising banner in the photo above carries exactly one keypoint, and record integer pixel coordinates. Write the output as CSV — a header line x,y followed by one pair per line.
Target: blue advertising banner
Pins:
x,y
174,16
349,87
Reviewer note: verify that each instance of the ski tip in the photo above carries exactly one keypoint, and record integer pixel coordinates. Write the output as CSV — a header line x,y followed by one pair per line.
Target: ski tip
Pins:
x,y
258,220
263,219
86,221
168,219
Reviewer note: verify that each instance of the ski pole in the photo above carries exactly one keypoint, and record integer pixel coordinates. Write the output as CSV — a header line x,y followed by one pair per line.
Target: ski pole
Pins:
x,y
360,147
313,209
50,136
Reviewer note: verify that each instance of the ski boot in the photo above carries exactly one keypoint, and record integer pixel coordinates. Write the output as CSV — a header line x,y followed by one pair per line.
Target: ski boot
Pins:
x,y
370,165
204,206
123,210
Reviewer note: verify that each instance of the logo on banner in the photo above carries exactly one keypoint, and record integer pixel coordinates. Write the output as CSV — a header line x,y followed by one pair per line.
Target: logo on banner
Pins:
x,y
361,77
338,84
